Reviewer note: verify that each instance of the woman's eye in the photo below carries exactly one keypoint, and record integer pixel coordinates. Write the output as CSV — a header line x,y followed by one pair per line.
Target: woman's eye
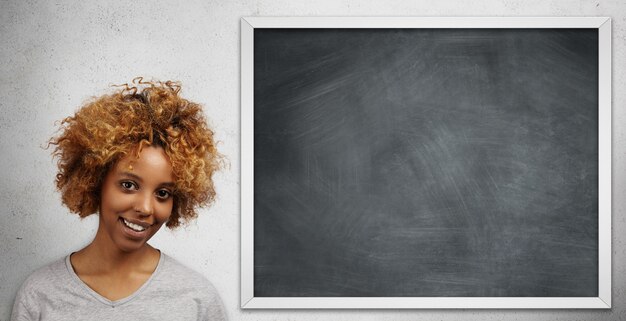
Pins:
x,y
163,194
128,185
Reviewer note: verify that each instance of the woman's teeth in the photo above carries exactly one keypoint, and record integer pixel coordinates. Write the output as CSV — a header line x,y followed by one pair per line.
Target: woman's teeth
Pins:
x,y
133,226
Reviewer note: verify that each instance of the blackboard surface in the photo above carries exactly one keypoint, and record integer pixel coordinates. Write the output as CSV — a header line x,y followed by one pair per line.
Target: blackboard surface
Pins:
x,y
425,162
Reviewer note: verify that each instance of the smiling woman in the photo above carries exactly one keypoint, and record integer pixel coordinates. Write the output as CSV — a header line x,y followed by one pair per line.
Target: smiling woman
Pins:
x,y
135,203
140,158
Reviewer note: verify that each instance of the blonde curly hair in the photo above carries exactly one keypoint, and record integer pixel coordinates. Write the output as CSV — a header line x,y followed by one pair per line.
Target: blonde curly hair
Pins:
x,y
142,113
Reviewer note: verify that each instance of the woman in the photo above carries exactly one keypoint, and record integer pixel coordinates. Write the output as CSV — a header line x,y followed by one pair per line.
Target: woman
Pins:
x,y
140,157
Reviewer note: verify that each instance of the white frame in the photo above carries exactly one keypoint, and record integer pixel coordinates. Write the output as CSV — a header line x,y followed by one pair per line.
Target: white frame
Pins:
x,y
248,301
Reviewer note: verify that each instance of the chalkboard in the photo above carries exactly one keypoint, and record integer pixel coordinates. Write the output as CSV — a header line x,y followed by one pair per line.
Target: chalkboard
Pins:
x,y
412,162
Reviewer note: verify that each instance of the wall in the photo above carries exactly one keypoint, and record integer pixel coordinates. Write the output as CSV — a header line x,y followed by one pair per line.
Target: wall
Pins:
x,y
55,55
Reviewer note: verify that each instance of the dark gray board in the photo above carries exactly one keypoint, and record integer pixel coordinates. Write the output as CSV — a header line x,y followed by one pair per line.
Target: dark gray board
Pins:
x,y
425,162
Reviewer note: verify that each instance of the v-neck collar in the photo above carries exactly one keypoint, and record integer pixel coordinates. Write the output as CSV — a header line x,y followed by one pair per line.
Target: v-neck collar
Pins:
x,y
104,300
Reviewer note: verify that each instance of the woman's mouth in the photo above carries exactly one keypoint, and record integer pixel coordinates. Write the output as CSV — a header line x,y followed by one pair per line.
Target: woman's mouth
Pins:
x,y
133,230
133,226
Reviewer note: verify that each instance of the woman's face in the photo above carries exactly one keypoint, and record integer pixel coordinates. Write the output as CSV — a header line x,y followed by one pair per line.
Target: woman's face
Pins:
x,y
136,199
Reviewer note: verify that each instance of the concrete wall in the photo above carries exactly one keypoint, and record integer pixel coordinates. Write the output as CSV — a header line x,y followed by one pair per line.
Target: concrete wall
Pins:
x,y
55,55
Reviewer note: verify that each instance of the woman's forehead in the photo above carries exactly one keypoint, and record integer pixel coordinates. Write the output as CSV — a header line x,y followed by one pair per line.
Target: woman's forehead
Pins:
x,y
151,161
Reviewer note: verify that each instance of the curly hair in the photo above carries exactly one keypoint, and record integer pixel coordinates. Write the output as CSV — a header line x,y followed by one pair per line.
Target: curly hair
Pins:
x,y
109,127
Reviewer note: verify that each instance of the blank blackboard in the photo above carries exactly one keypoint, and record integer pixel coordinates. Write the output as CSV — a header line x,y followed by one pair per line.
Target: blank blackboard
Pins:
x,y
426,162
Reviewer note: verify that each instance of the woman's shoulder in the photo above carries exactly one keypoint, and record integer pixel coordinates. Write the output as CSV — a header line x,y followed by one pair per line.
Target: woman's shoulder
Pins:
x,y
37,287
46,277
182,275
186,284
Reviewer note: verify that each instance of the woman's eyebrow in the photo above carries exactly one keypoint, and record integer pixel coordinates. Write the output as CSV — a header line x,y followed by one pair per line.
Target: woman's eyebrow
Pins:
x,y
134,176
131,175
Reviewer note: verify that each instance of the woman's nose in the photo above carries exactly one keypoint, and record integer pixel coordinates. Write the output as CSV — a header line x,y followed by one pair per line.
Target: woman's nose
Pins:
x,y
145,204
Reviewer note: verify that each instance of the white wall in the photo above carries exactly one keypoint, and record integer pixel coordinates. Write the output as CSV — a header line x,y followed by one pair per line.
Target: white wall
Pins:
x,y
56,55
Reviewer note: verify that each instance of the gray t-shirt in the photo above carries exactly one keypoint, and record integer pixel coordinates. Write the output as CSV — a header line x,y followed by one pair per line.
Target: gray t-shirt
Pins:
x,y
173,292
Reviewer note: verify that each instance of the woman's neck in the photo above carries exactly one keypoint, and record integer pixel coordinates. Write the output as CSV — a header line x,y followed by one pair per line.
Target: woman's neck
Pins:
x,y
101,256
